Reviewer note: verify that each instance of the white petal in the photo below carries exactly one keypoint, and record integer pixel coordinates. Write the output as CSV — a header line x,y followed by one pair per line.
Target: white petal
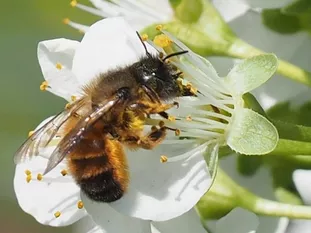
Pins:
x,y
112,221
162,191
87,225
302,181
42,199
188,222
266,3
298,226
238,221
61,80
231,9
108,44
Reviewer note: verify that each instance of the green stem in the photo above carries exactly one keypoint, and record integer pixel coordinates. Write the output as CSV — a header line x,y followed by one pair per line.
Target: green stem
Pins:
x,y
293,132
291,148
241,49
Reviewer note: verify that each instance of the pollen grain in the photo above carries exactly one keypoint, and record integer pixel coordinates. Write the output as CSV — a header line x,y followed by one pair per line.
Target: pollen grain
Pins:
x,y
39,177
59,66
57,214
44,85
27,172
162,41
163,159
64,172
80,205
28,178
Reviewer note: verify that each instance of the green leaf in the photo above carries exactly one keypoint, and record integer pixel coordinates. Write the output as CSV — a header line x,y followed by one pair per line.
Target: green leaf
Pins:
x,y
251,73
297,7
251,133
279,22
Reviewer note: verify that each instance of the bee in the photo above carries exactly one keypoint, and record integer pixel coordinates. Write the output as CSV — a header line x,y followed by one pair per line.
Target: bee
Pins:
x,y
108,117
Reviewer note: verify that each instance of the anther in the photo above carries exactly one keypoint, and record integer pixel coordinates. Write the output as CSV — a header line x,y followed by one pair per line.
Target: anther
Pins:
x,y
192,89
162,41
171,118
66,21
163,159
59,66
68,106
30,133
39,177
57,214
189,118
80,204
44,85
27,172
144,37
64,172
177,132
161,124
73,3
28,178
159,27
73,98
154,128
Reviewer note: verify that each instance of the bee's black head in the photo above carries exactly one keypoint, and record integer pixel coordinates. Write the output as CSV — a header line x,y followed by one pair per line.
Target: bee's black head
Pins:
x,y
158,76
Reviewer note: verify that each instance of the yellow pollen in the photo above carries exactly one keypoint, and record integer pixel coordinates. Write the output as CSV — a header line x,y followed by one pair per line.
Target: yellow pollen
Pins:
x,y
68,106
144,37
28,178
59,66
73,3
66,21
162,41
57,214
159,27
163,159
44,85
80,204
64,172
39,176
171,118
30,133
177,132
27,172
189,118
73,98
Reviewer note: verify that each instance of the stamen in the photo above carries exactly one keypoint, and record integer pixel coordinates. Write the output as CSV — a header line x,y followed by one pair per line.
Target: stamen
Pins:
x,y
73,3
44,85
39,177
57,214
59,66
80,27
159,27
163,158
64,172
73,98
162,41
177,132
80,204
30,133
27,172
144,37
28,178
68,106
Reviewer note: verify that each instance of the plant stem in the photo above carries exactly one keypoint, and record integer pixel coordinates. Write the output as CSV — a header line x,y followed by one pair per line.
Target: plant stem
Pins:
x,y
241,49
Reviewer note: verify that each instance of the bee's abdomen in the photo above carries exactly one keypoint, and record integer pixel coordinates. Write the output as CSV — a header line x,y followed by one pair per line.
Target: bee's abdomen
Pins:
x,y
103,177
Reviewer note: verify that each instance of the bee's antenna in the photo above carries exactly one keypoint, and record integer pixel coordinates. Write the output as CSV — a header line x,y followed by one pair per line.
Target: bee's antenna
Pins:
x,y
174,54
145,47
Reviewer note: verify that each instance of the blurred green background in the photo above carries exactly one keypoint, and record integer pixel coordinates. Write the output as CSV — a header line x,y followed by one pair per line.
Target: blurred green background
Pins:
x,y
23,105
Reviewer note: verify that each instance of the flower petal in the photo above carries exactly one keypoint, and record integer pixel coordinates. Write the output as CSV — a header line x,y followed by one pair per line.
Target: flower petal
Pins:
x,y
251,73
55,58
112,221
251,133
302,181
87,225
230,10
188,222
42,197
266,3
108,44
162,191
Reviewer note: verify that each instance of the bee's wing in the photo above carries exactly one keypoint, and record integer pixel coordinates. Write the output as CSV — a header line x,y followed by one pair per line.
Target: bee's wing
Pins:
x,y
42,137
74,136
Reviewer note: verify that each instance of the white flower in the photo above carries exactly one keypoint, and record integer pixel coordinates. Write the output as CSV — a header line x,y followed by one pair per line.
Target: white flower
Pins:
x,y
156,191
251,3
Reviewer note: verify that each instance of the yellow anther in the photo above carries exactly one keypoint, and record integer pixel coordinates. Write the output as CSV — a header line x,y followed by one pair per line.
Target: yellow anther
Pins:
x,y
39,176
57,214
162,41
144,37
59,66
171,118
159,27
177,132
30,133
80,204
27,172
68,106
163,159
44,85
66,21
73,3
189,118
73,98
28,178
64,172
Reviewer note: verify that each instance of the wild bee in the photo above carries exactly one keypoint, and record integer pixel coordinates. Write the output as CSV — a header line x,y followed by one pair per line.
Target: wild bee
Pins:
x,y
110,115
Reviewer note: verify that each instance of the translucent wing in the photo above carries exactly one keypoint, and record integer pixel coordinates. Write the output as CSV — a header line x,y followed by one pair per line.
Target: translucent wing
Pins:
x,y
75,135
43,136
